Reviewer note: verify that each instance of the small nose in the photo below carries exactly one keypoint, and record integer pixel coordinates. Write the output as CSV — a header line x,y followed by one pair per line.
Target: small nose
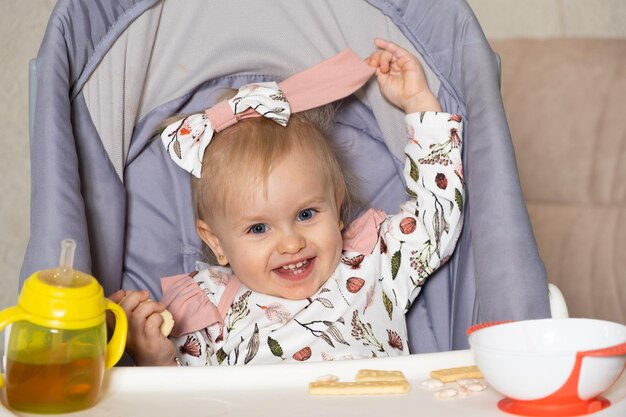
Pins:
x,y
291,242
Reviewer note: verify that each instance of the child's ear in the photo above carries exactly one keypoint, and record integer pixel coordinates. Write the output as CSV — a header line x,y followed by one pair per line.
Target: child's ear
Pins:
x,y
212,241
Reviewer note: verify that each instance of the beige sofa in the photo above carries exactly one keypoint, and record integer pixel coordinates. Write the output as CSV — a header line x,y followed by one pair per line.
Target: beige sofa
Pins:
x,y
565,101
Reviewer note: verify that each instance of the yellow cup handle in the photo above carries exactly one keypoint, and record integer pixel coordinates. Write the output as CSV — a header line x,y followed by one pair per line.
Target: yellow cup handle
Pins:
x,y
8,316
115,347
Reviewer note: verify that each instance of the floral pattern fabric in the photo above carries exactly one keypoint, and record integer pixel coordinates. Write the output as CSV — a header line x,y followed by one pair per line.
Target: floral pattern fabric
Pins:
x,y
360,311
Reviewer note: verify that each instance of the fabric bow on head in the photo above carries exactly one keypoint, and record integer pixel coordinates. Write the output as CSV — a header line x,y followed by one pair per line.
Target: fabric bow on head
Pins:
x,y
188,138
328,81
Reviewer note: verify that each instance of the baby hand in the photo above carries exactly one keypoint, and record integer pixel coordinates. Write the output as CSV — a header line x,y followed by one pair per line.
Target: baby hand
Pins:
x,y
401,78
145,343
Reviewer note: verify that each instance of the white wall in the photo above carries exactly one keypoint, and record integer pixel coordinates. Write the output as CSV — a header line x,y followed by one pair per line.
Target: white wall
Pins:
x,y
22,24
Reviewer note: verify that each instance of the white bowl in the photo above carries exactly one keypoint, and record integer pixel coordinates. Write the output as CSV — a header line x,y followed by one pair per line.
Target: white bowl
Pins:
x,y
530,360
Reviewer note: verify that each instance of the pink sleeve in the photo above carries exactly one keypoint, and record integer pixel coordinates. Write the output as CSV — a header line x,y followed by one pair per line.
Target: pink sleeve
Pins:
x,y
190,306
362,234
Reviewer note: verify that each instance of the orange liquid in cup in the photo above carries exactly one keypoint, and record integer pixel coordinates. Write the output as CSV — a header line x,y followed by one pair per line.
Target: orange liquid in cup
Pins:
x,y
54,388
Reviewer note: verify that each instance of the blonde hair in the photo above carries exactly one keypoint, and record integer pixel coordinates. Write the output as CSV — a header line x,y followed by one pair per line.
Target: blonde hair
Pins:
x,y
243,155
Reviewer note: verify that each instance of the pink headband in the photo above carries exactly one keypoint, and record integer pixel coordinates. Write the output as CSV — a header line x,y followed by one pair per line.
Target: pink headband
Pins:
x,y
328,81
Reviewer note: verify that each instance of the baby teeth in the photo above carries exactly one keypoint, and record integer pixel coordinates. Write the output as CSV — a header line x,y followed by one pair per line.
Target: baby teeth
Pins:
x,y
294,266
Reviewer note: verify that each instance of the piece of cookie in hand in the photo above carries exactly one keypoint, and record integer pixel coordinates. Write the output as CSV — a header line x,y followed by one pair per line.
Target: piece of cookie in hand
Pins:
x,y
168,320
168,323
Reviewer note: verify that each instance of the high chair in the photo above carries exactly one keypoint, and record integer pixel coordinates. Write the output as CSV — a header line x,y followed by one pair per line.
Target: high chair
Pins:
x,y
108,74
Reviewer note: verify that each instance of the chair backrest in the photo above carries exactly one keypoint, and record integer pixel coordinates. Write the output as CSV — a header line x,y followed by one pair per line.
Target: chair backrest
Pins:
x,y
110,74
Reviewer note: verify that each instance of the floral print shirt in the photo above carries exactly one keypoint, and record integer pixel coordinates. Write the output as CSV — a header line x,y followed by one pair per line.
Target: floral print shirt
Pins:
x,y
360,311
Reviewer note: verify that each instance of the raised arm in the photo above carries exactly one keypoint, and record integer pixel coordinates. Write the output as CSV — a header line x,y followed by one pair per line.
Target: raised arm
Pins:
x,y
422,236
401,78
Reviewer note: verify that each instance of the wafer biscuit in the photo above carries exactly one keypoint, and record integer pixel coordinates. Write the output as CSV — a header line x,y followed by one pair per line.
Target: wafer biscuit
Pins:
x,y
369,375
367,382
453,374
358,388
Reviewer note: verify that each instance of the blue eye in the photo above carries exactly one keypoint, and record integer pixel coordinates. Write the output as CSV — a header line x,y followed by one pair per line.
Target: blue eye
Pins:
x,y
258,228
305,215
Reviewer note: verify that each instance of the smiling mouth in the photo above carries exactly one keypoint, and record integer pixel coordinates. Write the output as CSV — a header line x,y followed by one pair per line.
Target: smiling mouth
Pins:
x,y
298,270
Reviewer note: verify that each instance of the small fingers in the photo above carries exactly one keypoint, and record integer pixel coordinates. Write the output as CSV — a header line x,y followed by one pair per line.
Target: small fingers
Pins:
x,y
386,59
138,309
147,308
152,327
380,59
390,47
381,43
374,59
393,55
117,296
146,323
132,299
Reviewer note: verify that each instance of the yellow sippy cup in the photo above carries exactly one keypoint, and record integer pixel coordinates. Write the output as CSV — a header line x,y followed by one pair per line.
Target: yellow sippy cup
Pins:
x,y
57,349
